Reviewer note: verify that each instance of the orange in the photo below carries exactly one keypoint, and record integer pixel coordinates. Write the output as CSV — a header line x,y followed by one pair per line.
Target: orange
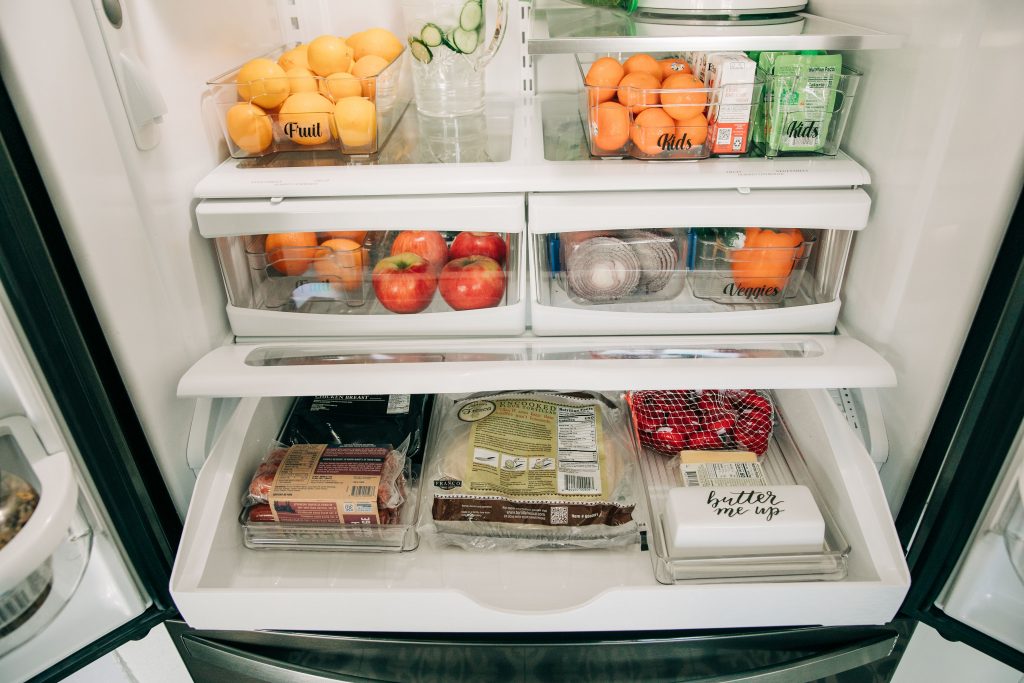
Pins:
x,y
379,42
263,83
612,126
301,80
636,90
249,127
651,130
290,252
328,55
306,118
341,85
367,69
693,130
354,235
673,66
355,119
341,261
644,63
686,100
604,75
294,57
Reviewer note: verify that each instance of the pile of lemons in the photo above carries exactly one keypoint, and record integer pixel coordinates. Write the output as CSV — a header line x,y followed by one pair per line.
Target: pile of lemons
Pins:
x,y
320,91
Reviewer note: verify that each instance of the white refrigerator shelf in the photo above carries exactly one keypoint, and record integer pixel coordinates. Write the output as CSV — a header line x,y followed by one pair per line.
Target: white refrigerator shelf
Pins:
x,y
217,583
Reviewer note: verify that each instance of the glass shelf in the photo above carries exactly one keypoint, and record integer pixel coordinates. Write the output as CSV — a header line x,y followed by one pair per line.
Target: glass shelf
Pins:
x,y
560,28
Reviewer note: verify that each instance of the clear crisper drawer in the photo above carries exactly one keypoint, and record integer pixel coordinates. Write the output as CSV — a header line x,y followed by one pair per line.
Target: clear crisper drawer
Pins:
x,y
690,262
381,266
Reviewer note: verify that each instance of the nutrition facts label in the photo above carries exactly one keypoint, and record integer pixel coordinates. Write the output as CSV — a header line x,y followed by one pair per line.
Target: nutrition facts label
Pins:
x,y
579,470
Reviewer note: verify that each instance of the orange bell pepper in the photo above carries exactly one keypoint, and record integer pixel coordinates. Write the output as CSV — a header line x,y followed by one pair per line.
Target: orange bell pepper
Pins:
x,y
766,257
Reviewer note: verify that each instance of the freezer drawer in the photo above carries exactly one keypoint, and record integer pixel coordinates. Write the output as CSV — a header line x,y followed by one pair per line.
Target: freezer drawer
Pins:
x,y
308,266
219,584
685,262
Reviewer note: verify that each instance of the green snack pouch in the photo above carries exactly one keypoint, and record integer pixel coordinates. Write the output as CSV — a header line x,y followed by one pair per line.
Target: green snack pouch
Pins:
x,y
801,101
765,66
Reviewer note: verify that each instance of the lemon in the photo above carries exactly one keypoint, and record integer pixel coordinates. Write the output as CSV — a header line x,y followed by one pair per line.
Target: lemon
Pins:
x,y
329,54
301,80
355,119
367,69
306,118
294,57
263,83
375,41
341,85
249,127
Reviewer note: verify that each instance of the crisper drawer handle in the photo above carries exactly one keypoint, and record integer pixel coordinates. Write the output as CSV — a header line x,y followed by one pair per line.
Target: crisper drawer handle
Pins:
x,y
814,667
253,666
48,525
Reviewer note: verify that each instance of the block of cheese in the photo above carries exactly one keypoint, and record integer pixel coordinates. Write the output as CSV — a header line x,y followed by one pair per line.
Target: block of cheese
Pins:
x,y
744,520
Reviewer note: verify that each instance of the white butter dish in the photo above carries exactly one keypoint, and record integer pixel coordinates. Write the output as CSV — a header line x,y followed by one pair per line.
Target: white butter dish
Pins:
x,y
731,521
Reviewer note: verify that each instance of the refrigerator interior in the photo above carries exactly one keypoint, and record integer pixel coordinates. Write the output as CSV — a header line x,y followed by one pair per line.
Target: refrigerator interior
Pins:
x,y
129,215
92,588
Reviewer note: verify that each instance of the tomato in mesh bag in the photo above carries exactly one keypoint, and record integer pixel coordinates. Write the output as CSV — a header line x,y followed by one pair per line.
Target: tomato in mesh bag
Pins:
x,y
710,420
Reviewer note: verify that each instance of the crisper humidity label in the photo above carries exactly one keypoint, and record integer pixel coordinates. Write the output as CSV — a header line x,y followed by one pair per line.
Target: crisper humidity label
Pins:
x,y
530,448
723,474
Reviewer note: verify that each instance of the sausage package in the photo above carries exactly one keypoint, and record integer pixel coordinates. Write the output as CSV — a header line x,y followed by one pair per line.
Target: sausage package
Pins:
x,y
521,470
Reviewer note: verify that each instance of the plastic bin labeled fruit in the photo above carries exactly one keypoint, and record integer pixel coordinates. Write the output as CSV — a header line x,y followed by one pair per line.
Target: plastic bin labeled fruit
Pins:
x,y
750,265
273,103
370,282
671,117
805,114
620,266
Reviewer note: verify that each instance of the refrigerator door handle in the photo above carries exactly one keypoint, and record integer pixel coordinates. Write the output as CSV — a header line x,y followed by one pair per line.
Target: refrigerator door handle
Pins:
x,y
815,667
247,665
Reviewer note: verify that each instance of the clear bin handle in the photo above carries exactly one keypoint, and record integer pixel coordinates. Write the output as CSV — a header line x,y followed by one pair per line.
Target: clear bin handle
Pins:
x,y
48,525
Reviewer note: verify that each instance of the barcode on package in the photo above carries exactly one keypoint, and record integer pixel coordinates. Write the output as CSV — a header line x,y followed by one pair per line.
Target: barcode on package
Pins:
x,y
398,404
362,490
578,483
723,474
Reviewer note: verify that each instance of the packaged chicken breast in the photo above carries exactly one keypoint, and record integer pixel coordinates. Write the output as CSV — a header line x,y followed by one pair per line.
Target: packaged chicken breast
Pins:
x,y
520,470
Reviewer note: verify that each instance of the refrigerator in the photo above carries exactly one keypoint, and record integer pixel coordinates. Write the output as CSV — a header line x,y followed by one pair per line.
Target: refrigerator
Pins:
x,y
163,386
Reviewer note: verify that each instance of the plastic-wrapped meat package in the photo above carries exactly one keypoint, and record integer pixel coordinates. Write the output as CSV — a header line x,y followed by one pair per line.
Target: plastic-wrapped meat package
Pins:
x,y
522,470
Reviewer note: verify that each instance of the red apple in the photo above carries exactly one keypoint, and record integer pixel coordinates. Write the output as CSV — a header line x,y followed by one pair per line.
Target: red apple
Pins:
x,y
478,244
427,243
404,283
472,282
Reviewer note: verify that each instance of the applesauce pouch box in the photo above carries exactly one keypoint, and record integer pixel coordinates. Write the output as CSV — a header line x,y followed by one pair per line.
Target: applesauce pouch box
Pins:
x,y
328,486
733,73
803,96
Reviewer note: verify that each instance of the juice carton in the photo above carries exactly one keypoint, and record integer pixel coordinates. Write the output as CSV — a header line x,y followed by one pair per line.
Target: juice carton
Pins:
x,y
729,118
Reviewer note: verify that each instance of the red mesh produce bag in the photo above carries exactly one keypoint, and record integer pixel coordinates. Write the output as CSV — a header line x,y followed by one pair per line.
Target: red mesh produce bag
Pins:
x,y
707,420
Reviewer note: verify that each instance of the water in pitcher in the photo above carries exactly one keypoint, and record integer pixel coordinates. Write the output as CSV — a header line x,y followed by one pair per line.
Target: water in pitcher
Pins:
x,y
450,48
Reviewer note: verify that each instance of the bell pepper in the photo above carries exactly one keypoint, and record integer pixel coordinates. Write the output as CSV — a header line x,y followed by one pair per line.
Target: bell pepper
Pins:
x,y
763,257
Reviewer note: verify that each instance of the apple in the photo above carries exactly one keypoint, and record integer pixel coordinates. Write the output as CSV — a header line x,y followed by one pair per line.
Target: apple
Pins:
x,y
404,283
478,244
427,243
472,282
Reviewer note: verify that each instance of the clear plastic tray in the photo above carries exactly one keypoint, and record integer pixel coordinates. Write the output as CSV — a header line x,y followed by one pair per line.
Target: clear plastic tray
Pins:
x,y
353,537
263,131
738,275
333,276
818,119
621,266
689,139
784,464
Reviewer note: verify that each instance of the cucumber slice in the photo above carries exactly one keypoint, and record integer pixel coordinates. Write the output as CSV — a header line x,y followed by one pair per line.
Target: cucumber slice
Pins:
x,y
431,35
420,51
465,41
471,15
448,40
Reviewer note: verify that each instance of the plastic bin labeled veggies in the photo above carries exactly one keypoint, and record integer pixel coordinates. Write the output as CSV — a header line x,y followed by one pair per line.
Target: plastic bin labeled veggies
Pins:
x,y
750,265
329,94
651,107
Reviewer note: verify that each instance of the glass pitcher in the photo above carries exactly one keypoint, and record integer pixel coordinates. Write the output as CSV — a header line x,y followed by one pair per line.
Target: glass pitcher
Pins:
x,y
449,44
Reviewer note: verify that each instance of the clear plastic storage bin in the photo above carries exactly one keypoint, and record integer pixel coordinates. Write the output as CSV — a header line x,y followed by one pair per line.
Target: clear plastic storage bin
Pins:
x,y
315,120
653,127
804,121
783,464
